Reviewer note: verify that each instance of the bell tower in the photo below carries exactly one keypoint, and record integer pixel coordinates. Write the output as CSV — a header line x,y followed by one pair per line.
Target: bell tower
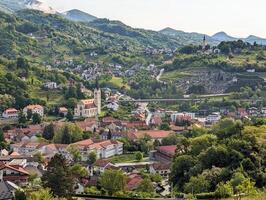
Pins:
x,y
97,97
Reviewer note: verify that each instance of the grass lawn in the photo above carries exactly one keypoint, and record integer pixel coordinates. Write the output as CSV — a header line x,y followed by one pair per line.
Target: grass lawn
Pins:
x,y
118,82
55,96
173,75
259,196
125,158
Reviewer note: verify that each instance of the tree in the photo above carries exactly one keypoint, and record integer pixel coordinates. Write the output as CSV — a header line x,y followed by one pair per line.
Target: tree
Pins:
x,y
36,118
20,195
29,114
74,151
113,181
48,132
79,171
69,115
145,186
224,190
92,157
42,194
139,156
58,177
165,126
197,185
109,136
22,63
22,118
69,133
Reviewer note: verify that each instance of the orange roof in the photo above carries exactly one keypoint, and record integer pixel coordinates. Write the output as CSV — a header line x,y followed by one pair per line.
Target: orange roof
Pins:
x,y
15,154
63,109
14,167
11,110
104,144
56,146
167,149
154,134
32,107
87,142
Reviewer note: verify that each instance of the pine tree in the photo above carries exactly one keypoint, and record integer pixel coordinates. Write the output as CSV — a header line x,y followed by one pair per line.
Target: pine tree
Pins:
x,y
58,177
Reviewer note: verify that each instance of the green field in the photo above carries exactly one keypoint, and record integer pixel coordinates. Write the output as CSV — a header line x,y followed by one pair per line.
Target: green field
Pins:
x,y
118,82
125,158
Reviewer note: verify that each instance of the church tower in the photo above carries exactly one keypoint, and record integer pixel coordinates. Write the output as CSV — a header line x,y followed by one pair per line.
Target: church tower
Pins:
x,y
204,44
97,97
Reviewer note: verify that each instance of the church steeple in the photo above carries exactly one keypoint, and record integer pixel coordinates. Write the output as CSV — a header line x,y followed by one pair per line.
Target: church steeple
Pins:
x,y
204,44
97,96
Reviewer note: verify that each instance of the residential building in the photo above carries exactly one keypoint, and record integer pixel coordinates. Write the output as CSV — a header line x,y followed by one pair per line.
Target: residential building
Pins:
x,y
89,107
63,111
183,115
164,154
50,85
34,109
26,148
10,113
14,173
48,151
154,134
164,169
7,189
213,118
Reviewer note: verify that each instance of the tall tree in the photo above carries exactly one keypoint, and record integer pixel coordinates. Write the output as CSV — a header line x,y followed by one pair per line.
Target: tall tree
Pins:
x,y
48,132
36,118
58,177
113,181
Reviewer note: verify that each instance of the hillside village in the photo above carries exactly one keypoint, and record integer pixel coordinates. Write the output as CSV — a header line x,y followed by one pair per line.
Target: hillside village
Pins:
x,y
98,108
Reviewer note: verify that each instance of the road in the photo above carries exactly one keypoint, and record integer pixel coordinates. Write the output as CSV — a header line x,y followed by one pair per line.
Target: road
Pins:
x,y
159,76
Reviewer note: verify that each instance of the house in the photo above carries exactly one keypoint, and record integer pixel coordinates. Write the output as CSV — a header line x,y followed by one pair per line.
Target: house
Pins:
x,y
101,165
184,115
48,151
50,85
113,106
164,154
164,169
114,135
14,173
89,107
34,109
103,149
7,189
26,148
213,118
88,124
133,181
263,111
154,134
63,111
10,113
253,111
156,120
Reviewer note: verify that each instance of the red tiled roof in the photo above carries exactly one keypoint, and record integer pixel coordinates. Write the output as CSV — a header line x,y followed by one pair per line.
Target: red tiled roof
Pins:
x,y
14,167
154,134
102,163
31,107
11,110
167,149
133,181
87,142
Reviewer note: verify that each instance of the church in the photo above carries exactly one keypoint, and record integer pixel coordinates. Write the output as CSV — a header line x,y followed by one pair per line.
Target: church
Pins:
x,y
89,107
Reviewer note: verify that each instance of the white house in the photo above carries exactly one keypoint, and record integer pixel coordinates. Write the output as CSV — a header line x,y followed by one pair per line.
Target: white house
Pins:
x,y
113,105
176,116
50,85
34,109
213,118
10,113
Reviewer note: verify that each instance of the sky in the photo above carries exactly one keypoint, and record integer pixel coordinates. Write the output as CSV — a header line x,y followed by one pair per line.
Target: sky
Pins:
x,y
238,18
